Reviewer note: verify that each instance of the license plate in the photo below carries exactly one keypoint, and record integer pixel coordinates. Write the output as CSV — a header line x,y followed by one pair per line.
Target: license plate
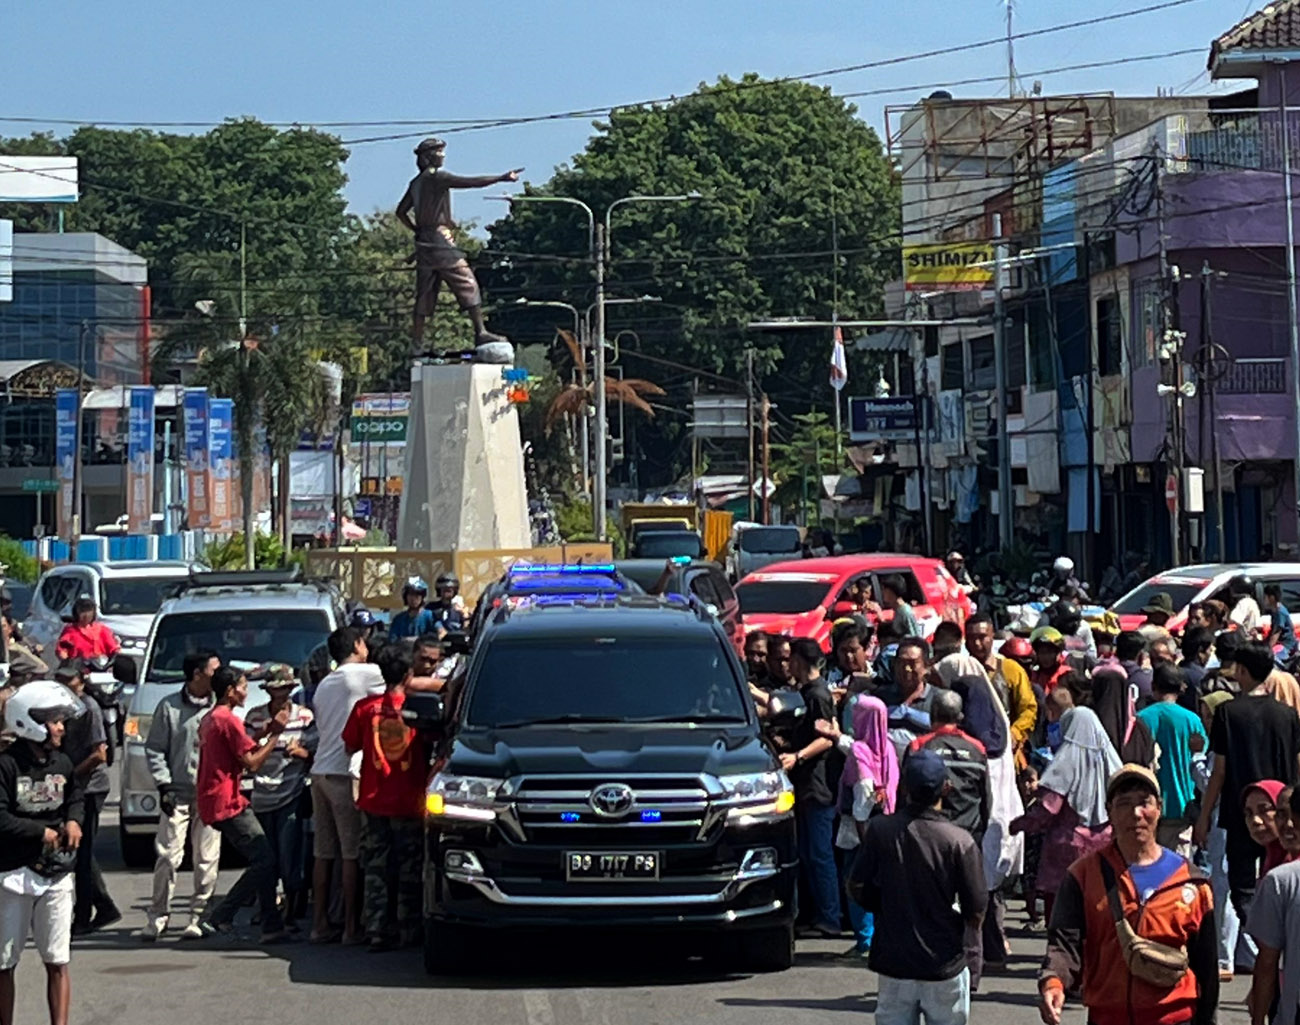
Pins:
x,y
587,865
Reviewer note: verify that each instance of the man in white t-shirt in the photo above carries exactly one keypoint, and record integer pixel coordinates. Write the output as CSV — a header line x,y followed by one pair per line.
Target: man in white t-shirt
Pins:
x,y
335,817
1245,609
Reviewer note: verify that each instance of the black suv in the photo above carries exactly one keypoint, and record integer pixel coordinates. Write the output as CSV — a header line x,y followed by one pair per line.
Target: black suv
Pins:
x,y
604,767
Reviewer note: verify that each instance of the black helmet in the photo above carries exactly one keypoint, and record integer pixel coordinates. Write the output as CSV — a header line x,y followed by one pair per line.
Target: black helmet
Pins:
x,y
1241,584
448,579
1065,616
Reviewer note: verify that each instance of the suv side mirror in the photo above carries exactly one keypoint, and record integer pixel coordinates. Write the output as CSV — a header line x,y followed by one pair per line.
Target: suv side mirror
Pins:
x,y
125,671
423,710
786,704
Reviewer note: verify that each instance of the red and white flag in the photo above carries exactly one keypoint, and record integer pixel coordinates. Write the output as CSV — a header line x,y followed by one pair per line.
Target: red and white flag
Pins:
x,y
839,365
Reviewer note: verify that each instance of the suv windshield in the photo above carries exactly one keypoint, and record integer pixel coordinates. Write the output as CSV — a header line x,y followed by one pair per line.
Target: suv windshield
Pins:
x,y
135,596
253,637
665,544
769,541
604,679
1140,597
780,596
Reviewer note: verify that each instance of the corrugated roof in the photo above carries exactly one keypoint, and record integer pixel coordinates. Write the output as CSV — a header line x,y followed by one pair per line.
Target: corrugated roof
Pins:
x,y
1274,27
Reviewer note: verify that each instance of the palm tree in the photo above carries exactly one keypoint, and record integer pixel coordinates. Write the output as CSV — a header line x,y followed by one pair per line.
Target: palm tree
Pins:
x,y
275,379
574,399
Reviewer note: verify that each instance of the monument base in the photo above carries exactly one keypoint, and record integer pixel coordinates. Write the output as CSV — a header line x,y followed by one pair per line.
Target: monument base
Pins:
x,y
464,485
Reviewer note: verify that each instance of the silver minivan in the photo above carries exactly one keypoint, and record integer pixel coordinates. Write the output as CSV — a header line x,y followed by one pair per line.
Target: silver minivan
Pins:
x,y
755,545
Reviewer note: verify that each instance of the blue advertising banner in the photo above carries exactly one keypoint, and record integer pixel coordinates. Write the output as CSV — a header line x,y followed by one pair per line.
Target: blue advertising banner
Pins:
x,y
139,461
221,422
194,407
65,452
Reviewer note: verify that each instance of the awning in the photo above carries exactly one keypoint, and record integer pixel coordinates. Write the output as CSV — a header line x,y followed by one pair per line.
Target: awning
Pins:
x,y
890,339
35,378
119,397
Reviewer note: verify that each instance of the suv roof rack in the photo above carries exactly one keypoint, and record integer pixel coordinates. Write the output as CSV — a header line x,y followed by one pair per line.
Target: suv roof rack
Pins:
x,y
675,602
249,580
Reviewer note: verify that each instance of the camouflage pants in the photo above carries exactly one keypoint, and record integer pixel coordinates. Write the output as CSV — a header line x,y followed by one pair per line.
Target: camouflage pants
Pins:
x,y
392,860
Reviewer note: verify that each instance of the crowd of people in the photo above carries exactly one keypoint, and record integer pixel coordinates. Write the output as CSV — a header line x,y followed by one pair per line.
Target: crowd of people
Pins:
x,y
1134,788
319,789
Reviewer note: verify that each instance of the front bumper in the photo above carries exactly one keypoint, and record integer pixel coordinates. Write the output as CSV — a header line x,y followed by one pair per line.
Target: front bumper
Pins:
x,y
714,884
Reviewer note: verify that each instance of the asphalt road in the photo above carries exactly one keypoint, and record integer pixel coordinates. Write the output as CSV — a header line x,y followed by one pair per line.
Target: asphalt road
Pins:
x,y
547,980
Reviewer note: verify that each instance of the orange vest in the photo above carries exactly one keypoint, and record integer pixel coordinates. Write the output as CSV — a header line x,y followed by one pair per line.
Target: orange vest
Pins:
x,y
1172,915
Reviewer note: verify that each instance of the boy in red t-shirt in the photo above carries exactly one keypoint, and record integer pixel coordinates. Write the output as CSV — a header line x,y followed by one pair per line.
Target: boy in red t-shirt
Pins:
x,y
226,752
394,770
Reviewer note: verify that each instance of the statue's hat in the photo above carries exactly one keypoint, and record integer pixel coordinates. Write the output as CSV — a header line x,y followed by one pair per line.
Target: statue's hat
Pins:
x,y
430,143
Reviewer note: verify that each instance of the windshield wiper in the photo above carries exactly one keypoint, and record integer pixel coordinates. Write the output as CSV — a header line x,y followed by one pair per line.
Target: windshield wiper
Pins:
x,y
556,720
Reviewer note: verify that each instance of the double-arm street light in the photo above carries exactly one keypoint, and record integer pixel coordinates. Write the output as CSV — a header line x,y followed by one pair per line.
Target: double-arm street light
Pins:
x,y
598,233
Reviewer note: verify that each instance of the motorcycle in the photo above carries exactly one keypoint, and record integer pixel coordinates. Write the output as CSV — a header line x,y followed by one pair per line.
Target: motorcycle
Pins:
x,y
104,687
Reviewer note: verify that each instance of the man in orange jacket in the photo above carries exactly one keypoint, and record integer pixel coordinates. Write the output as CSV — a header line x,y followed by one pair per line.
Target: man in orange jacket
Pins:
x,y
1161,896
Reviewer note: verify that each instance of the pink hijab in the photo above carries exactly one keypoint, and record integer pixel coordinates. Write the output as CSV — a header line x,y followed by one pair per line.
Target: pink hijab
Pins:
x,y
872,756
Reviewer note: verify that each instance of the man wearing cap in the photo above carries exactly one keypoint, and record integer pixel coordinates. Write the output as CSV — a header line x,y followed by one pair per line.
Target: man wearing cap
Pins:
x,y
1159,610
1159,896
279,784
923,879
437,257
1049,658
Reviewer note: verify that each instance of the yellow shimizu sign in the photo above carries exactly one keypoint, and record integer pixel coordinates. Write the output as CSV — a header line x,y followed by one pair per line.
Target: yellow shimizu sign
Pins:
x,y
955,266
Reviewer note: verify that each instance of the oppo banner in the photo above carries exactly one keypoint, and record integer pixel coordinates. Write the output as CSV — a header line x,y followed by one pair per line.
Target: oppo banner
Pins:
x,y
194,406
221,417
139,462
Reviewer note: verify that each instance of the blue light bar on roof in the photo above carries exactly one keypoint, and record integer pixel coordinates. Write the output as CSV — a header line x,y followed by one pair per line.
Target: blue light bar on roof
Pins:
x,y
562,568
682,560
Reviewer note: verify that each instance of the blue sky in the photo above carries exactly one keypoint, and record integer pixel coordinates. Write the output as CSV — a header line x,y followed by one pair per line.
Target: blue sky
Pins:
x,y
349,60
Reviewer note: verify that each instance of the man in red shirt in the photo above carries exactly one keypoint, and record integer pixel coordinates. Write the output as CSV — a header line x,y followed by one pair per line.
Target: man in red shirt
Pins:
x,y
226,752
85,638
394,770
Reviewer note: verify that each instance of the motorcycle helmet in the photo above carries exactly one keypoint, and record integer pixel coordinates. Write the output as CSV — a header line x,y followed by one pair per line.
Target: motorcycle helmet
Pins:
x,y
34,704
1063,566
415,585
447,579
55,861
1047,635
1017,648
362,618
1065,616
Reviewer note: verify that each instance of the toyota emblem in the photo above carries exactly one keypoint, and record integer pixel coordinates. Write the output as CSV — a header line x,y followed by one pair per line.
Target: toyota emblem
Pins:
x,y
612,800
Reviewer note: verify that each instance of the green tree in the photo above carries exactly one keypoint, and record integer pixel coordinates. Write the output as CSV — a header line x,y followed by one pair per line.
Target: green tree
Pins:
x,y
783,169
798,464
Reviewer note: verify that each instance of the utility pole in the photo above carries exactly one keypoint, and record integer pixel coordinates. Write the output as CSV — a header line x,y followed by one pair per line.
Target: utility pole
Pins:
x,y
749,426
1006,501
765,408
75,530
1011,56
1285,117
598,369
1169,285
1210,376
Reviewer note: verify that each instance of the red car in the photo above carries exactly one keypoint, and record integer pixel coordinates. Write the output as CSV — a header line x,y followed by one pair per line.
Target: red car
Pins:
x,y
802,597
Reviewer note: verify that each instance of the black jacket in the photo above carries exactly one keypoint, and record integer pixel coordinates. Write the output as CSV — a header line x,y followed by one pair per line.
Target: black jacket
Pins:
x,y
35,793
913,869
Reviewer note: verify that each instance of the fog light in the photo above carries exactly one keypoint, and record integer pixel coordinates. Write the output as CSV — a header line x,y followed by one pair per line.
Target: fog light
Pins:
x,y
462,861
759,859
784,801
148,803
434,804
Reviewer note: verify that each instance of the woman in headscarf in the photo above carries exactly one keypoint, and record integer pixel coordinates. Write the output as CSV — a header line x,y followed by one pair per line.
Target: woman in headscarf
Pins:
x,y
1282,686
1259,805
1071,808
868,786
1114,700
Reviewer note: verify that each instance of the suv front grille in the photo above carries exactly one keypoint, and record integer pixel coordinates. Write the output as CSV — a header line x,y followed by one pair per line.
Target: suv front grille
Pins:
x,y
665,810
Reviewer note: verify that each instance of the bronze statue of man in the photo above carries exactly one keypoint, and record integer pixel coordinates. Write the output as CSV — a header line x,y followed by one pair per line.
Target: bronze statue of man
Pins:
x,y
437,257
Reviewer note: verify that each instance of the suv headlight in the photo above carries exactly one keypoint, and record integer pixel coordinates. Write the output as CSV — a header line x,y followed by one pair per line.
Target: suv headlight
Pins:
x,y
757,796
462,797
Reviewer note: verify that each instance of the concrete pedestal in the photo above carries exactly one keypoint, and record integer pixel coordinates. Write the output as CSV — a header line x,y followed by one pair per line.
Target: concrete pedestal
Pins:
x,y
464,485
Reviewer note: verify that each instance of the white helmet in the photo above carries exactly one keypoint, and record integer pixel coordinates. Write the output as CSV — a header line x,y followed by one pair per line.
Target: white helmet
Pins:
x,y
34,704
1063,566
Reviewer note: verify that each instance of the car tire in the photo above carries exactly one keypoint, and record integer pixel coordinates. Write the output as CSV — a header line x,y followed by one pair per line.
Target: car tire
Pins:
x,y
137,849
766,950
448,949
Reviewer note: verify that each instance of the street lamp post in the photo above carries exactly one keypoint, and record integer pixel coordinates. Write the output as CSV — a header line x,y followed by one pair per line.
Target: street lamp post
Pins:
x,y
598,239
75,525
578,335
